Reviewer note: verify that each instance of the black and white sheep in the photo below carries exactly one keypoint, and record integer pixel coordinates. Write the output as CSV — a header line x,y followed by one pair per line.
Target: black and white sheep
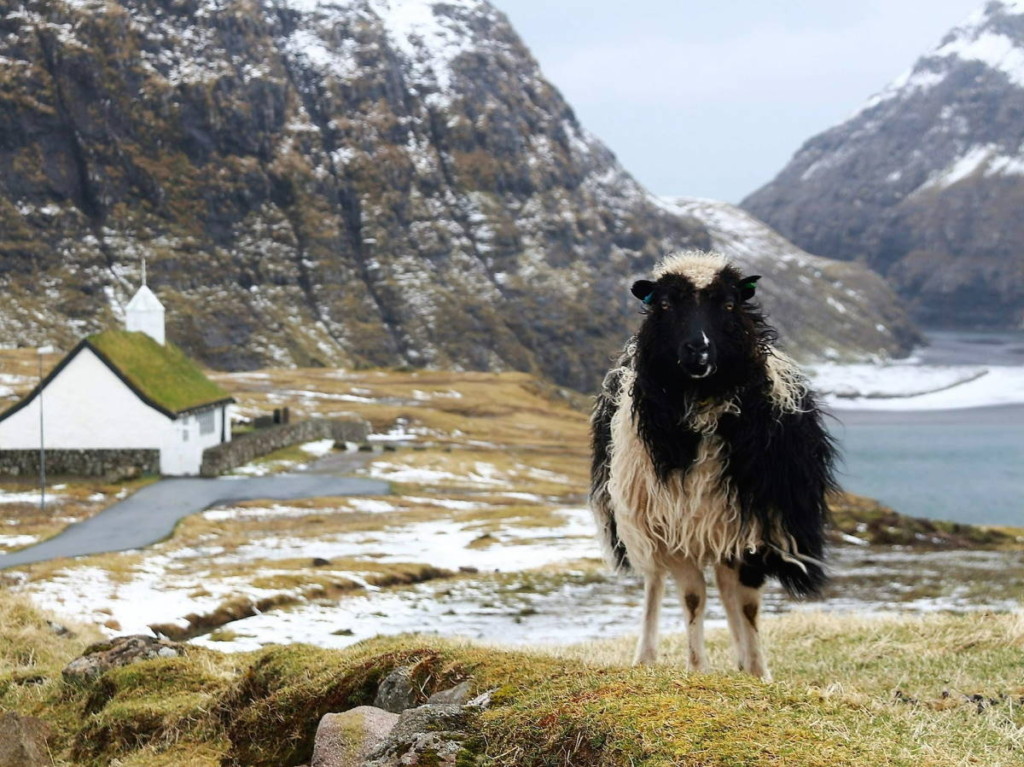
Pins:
x,y
709,449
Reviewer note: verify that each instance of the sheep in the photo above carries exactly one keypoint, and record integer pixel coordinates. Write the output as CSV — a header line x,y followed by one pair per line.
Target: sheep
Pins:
x,y
709,449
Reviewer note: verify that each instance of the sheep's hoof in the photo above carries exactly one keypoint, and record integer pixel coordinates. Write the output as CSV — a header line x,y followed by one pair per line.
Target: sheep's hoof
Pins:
x,y
645,658
761,673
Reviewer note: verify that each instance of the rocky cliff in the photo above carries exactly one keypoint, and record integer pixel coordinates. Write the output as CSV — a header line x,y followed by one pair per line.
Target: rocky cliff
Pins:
x,y
926,181
371,182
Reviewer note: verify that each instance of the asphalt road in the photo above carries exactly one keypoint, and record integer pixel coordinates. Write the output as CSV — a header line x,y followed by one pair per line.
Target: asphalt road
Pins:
x,y
150,514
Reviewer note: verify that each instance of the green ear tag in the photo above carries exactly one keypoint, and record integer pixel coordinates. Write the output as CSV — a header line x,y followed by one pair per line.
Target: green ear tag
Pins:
x,y
648,298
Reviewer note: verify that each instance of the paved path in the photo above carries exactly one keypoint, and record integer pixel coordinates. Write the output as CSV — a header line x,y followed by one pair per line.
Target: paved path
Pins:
x,y
150,514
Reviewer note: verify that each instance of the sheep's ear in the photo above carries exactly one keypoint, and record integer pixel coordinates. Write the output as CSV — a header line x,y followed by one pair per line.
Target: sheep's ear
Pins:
x,y
747,286
644,290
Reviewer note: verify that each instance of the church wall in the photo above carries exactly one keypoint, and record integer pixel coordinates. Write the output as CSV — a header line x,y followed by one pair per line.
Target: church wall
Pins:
x,y
86,406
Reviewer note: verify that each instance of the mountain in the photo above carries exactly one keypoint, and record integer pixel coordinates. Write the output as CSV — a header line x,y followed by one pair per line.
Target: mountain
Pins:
x,y
362,182
925,182
831,306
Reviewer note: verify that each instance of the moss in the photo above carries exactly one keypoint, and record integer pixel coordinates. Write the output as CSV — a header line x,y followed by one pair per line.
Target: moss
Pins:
x,y
879,525
162,373
859,692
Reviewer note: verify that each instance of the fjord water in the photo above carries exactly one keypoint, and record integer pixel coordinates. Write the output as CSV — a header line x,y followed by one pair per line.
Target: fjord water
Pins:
x,y
962,465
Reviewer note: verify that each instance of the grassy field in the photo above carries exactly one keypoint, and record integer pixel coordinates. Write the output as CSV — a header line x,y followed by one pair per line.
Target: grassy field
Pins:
x,y
938,690
500,462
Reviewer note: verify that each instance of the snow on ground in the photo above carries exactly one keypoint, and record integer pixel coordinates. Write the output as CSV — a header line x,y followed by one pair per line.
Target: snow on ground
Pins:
x,y
128,604
492,611
261,467
29,496
576,607
442,543
484,474
910,386
320,447
279,510
167,586
17,541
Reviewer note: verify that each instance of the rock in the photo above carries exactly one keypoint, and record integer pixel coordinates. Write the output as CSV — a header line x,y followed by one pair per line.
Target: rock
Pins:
x,y
457,695
23,741
430,717
397,692
431,734
483,700
60,629
346,739
120,651
426,749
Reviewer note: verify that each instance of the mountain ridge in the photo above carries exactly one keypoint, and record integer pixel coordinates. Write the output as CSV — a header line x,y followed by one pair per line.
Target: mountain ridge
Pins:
x,y
374,182
922,183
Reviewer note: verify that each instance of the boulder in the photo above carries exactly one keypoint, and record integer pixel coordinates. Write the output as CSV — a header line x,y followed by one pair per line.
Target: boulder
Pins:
x,y
398,692
431,734
120,651
457,695
424,749
23,741
347,739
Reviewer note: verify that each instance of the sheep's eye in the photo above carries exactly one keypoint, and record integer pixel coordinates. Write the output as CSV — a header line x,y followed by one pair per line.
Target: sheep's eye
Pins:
x,y
665,304
729,306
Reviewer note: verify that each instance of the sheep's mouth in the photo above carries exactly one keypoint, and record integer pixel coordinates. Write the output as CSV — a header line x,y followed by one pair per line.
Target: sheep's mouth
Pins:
x,y
698,368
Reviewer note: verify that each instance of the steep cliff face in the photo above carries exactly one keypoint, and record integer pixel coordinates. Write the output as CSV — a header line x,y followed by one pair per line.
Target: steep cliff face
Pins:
x,y
926,182
378,182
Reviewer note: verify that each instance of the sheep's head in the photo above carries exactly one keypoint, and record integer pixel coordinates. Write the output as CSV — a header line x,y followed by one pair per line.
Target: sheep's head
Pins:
x,y
699,318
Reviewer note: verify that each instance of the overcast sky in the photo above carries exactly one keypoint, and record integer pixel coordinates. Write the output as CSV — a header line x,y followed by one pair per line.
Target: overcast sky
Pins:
x,y
711,99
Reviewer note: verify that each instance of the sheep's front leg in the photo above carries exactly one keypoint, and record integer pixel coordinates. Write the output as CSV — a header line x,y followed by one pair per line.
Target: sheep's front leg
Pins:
x,y
654,590
689,578
743,608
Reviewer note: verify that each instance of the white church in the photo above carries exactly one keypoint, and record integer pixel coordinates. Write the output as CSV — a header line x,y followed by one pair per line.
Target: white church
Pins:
x,y
125,390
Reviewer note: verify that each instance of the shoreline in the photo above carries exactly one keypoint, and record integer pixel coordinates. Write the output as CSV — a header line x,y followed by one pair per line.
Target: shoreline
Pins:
x,y
1001,414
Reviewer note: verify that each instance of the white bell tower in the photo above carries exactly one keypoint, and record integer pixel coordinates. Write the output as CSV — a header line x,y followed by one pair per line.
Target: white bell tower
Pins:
x,y
145,313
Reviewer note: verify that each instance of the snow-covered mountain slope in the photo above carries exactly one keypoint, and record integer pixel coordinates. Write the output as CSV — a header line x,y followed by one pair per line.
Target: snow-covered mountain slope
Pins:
x,y
375,182
926,181
821,308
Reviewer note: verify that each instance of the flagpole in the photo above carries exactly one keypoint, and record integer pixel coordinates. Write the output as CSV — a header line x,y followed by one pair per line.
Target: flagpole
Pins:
x,y
42,438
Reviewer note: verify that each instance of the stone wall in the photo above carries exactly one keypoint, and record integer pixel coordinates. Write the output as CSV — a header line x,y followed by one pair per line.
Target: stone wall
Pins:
x,y
112,464
248,447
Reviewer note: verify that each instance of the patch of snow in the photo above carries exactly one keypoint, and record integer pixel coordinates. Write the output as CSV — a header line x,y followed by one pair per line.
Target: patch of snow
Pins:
x,y
17,541
443,543
994,50
393,472
371,505
157,591
447,503
908,386
912,81
28,496
397,433
318,447
968,164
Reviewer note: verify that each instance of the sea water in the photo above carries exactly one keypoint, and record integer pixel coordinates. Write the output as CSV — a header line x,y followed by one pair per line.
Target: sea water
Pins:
x,y
964,465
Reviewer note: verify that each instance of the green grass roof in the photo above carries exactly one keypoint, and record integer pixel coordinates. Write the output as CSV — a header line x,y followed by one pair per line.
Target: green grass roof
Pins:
x,y
162,373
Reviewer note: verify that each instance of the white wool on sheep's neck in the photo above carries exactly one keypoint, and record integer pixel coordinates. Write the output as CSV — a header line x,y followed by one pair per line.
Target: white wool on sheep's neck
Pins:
x,y
698,267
